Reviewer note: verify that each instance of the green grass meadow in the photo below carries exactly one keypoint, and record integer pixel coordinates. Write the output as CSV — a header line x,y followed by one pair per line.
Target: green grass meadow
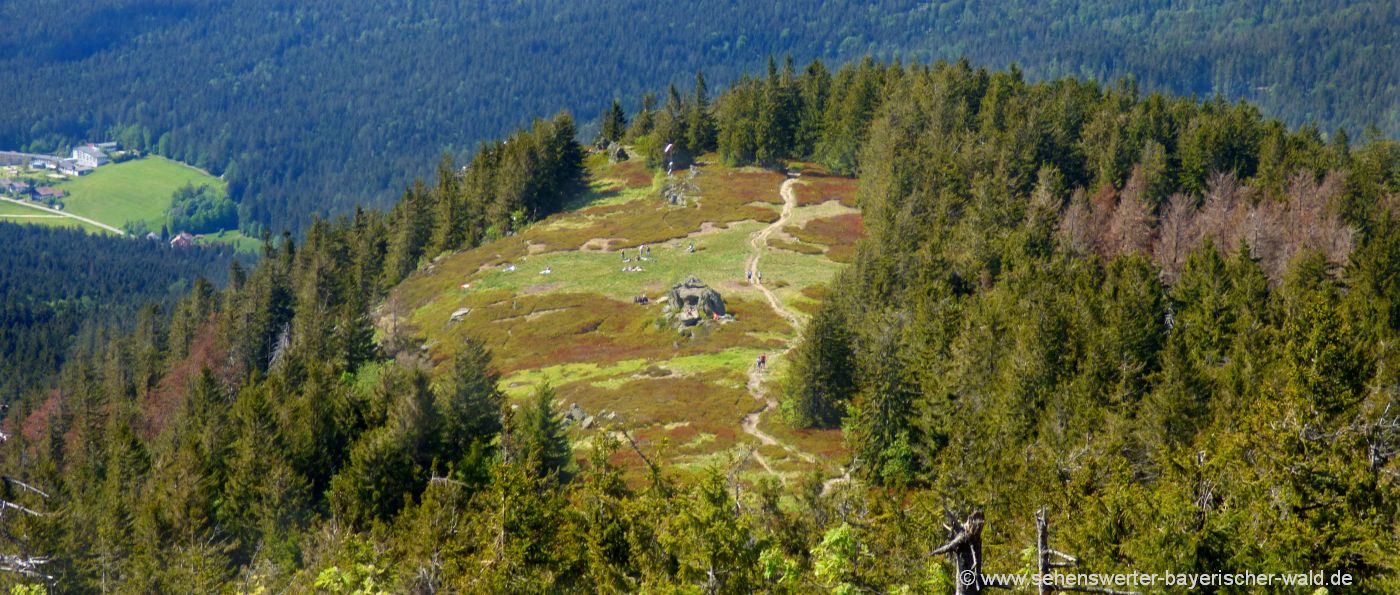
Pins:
x,y
13,213
136,190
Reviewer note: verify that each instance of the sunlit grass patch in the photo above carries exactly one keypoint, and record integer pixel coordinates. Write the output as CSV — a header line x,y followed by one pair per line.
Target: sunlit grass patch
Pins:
x,y
136,190
520,383
798,247
788,273
719,257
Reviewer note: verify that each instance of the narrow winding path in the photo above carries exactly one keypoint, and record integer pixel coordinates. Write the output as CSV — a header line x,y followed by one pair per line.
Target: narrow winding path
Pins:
x,y
65,214
759,244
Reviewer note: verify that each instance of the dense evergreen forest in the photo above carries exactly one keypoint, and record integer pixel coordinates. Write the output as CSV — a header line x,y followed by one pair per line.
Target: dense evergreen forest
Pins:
x,y
57,285
316,108
1169,323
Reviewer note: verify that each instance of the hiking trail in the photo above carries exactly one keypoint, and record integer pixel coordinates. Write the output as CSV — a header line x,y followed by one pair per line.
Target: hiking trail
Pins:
x,y
750,422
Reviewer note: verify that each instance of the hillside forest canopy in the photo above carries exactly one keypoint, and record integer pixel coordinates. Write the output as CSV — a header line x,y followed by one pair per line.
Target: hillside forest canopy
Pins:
x,y
1169,323
313,109
64,290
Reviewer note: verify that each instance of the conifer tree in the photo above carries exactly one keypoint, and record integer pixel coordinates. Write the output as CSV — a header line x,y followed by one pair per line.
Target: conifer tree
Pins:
x,y
822,377
701,125
467,402
645,120
543,447
613,122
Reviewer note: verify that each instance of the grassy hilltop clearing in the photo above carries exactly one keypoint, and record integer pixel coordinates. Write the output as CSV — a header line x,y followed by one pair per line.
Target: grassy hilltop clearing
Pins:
x,y
136,190
681,396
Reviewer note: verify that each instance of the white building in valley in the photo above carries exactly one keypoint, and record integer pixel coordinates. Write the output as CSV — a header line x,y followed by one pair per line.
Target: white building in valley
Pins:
x,y
90,155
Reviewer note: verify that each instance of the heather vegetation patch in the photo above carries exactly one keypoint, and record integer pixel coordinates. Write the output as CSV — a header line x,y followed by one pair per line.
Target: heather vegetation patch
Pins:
x,y
817,187
839,233
572,338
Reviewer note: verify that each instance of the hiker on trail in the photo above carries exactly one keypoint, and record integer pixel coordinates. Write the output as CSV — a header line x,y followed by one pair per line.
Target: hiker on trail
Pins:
x,y
762,361
759,276
750,275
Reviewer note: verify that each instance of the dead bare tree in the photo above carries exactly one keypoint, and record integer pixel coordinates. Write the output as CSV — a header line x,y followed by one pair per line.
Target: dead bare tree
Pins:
x,y
21,563
964,546
1177,235
1077,226
1048,560
1131,226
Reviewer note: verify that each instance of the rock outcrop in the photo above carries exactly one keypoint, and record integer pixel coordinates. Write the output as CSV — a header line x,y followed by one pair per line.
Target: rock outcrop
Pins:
x,y
691,301
616,153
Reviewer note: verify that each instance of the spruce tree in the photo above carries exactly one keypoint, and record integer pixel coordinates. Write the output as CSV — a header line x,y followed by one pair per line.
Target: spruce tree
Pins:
x,y
613,122
645,120
544,449
822,376
701,133
468,402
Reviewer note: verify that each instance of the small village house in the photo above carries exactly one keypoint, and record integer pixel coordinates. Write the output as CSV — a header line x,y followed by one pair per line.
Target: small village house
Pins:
x,y
49,192
18,188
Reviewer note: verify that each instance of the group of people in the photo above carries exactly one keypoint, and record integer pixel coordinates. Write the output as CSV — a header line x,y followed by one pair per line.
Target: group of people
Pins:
x,y
643,253
641,300
762,362
632,269
755,277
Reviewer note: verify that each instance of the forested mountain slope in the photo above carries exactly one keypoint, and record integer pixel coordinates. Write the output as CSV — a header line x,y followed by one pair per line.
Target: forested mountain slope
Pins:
x,y
318,107
57,284
1168,324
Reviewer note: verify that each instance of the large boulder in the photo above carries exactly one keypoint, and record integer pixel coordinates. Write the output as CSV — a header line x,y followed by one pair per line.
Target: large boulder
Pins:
x,y
691,301
616,153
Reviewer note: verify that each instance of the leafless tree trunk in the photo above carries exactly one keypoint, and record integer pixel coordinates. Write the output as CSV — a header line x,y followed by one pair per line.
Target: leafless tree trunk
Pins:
x,y
1048,560
22,563
965,547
